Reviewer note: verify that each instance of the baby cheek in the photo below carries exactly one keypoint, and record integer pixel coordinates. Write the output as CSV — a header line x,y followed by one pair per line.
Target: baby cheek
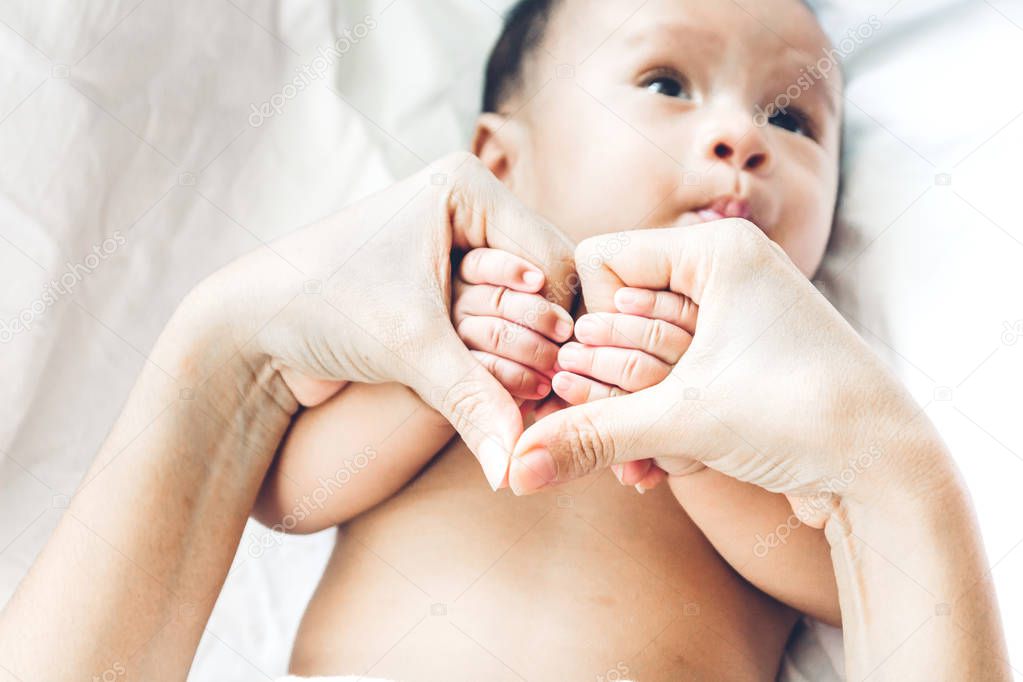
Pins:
x,y
803,233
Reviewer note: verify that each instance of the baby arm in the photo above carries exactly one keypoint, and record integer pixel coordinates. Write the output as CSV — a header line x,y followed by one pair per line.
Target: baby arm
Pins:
x,y
754,530
361,446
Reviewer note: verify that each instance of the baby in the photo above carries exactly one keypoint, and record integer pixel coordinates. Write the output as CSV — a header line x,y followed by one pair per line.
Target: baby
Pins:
x,y
602,117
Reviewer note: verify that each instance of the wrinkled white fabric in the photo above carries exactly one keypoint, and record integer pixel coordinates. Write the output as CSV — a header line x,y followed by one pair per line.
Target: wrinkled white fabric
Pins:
x,y
138,156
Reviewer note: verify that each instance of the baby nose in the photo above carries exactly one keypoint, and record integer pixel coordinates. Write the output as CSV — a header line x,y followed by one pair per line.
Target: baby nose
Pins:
x,y
746,151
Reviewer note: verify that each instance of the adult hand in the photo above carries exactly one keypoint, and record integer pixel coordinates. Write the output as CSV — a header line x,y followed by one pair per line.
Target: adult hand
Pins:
x,y
365,295
777,390
774,389
131,574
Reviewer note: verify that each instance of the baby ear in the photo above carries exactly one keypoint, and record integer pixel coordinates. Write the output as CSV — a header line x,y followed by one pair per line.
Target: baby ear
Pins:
x,y
495,142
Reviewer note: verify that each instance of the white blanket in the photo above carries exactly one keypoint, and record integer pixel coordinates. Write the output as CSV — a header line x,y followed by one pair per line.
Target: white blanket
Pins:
x,y
147,143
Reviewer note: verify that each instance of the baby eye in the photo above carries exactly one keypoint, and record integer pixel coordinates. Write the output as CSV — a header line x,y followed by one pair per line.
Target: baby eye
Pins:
x,y
793,120
667,84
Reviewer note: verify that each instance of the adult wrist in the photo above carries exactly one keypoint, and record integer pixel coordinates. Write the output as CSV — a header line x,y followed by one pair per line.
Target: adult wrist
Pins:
x,y
208,358
914,584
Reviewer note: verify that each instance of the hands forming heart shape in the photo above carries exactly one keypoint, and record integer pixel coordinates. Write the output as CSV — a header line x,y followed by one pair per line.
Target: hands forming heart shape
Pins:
x,y
524,340
762,392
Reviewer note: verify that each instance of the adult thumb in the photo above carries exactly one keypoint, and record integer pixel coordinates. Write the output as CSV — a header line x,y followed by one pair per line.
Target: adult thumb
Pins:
x,y
485,415
585,438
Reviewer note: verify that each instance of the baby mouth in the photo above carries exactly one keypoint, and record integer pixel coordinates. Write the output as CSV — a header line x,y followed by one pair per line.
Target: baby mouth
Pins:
x,y
719,209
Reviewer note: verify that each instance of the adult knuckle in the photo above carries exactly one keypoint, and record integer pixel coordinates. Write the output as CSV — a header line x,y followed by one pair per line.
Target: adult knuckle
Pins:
x,y
742,236
459,163
591,448
462,401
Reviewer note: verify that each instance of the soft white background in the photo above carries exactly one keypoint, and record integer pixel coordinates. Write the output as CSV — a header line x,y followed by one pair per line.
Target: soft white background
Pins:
x,y
129,116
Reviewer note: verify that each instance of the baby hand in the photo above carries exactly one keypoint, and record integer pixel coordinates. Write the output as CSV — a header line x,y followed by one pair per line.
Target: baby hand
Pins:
x,y
511,329
624,352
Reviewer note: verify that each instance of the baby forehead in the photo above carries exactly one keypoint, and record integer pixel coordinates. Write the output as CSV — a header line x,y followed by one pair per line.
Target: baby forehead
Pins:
x,y
783,30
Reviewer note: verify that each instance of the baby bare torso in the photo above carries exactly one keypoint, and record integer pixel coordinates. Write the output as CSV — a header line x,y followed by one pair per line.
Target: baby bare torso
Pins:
x,y
591,581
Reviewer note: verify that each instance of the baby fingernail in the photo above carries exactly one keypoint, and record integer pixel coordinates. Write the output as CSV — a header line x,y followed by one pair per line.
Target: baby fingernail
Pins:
x,y
585,326
543,390
568,355
532,278
640,489
630,298
563,329
562,383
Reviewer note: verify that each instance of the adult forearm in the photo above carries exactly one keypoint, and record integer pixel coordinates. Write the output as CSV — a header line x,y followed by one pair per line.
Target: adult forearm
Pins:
x,y
128,580
914,585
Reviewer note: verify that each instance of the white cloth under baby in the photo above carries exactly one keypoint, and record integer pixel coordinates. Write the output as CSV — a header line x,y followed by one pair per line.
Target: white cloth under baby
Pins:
x,y
347,678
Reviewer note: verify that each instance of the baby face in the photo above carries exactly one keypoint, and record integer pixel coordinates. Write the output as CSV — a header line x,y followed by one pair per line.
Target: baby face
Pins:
x,y
668,116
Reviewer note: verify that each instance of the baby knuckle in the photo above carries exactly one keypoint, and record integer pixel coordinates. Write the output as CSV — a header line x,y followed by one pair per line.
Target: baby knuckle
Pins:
x,y
523,381
655,334
686,308
632,369
472,264
498,299
494,338
463,327
614,326
539,353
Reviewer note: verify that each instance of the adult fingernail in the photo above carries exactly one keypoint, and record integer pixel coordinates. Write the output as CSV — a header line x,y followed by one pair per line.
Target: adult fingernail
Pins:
x,y
532,278
532,471
494,460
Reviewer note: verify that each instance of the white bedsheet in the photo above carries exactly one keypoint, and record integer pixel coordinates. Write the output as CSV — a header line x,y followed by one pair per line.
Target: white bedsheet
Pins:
x,y
136,154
